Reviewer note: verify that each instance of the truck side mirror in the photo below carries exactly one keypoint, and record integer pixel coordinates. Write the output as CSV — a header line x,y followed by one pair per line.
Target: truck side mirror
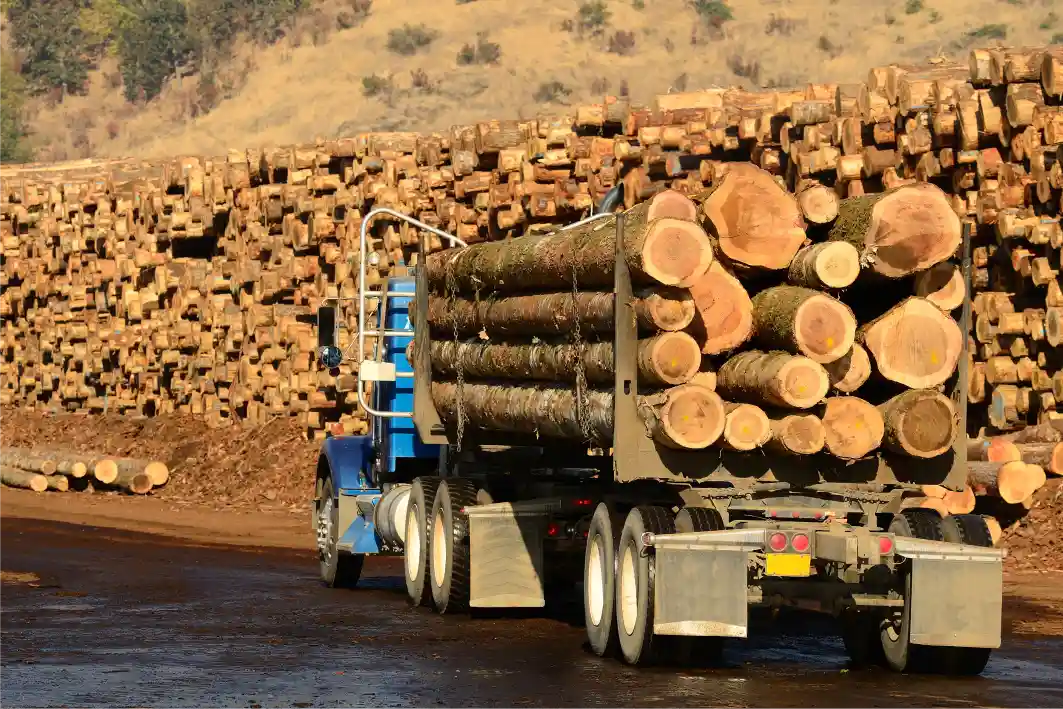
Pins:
x,y
328,353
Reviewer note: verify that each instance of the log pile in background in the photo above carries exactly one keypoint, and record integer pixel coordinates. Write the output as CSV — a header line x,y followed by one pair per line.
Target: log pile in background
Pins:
x,y
50,469
190,286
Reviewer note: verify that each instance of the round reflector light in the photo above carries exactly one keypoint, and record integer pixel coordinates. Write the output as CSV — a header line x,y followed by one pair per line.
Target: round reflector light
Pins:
x,y
777,542
885,545
799,543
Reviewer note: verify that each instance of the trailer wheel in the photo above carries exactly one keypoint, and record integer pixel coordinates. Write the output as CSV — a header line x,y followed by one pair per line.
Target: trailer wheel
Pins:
x,y
449,545
415,551
338,569
901,654
698,519
599,580
966,529
635,578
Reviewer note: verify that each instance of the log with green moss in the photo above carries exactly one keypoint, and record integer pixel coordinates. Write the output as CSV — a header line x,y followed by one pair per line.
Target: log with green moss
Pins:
x,y
772,379
830,264
921,423
900,231
666,359
686,416
803,321
668,309
661,250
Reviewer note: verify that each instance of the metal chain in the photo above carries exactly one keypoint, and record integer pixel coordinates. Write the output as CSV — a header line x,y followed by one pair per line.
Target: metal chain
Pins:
x,y
449,291
582,415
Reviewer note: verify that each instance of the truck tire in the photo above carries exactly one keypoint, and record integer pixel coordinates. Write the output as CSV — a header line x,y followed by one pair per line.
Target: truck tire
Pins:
x,y
338,569
418,533
635,579
599,580
691,651
449,545
966,529
900,653
698,519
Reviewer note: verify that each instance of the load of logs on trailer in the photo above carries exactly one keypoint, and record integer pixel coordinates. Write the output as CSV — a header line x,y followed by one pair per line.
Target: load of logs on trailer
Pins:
x,y
62,471
191,285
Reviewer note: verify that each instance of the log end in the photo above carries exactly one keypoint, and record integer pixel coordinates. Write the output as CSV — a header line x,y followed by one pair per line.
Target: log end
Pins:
x,y
819,204
995,532
673,205
912,228
157,472
798,434
670,309
724,317
942,284
675,252
692,417
804,383
914,344
936,504
853,427
824,329
105,471
1017,480
922,424
837,264
848,373
746,428
673,357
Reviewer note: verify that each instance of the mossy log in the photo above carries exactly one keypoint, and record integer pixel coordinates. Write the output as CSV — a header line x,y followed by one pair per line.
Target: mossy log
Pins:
x,y
803,321
666,359
754,222
921,423
724,311
668,309
830,264
849,372
853,428
665,250
746,427
914,344
796,434
900,231
686,416
772,379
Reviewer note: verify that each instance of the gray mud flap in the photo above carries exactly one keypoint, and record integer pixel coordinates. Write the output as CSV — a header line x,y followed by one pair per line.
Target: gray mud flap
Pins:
x,y
957,593
701,583
506,555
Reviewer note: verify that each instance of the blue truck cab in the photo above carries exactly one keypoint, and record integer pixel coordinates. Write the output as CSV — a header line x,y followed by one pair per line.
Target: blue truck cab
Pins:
x,y
363,480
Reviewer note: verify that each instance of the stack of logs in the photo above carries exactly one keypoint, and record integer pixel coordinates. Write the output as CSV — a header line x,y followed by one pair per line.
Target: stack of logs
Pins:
x,y
193,289
67,470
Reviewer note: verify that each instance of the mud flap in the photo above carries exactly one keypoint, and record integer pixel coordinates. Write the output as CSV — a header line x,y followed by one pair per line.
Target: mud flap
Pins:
x,y
956,603
506,555
701,584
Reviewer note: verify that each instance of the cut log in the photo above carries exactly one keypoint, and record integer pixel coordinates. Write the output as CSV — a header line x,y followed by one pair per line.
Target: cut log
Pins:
x,y
670,204
135,483
803,321
754,221
1048,432
959,502
687,416
669,251
819,203
59,483
1013,482
31,460
849,372
942,284
724,319
831,264
852,427
71,468
921,423
746,427
773,379
995,532
669,358
936,504
994,450
668,309
914,344
796,434
900,231
1049,456
25,479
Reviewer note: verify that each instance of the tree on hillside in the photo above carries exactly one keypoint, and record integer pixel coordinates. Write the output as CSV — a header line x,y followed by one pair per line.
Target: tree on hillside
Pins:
x,y
13,146
54,51
153,42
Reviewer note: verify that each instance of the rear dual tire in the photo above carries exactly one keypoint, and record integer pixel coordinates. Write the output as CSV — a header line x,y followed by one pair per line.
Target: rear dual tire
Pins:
x,y
418,538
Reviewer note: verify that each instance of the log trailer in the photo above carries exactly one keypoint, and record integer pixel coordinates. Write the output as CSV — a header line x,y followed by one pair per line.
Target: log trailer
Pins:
x,y
672,548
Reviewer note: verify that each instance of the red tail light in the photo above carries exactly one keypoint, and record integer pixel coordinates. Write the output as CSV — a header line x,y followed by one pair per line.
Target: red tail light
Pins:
x,y
885,545
552,530
583,503
799,543
777,542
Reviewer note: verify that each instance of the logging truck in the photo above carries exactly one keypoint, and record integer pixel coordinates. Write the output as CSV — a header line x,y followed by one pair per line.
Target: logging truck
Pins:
x,y
611,487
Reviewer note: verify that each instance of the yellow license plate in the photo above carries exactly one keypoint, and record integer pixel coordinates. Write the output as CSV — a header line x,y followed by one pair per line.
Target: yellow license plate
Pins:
x,y
789,565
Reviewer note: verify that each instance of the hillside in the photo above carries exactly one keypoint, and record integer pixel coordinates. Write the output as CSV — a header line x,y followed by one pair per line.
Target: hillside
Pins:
x,y
313,81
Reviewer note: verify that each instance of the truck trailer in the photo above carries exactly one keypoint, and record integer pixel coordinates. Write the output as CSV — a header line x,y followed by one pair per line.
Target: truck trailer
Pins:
x,y
672,548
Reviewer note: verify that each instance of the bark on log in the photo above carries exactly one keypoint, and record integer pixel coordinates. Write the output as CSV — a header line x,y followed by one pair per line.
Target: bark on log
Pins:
x,y
71,468
24,479
1013,482
993,450
849,372
669,309
670,251
59,483
110,470
921,423
687,416
133,482
30,460
667,359
942,284
819,203
724,312
796,434
772,378
852,427
754,222
1049,456
914,344
830,264
1048,432
899,231
746,427
803,321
